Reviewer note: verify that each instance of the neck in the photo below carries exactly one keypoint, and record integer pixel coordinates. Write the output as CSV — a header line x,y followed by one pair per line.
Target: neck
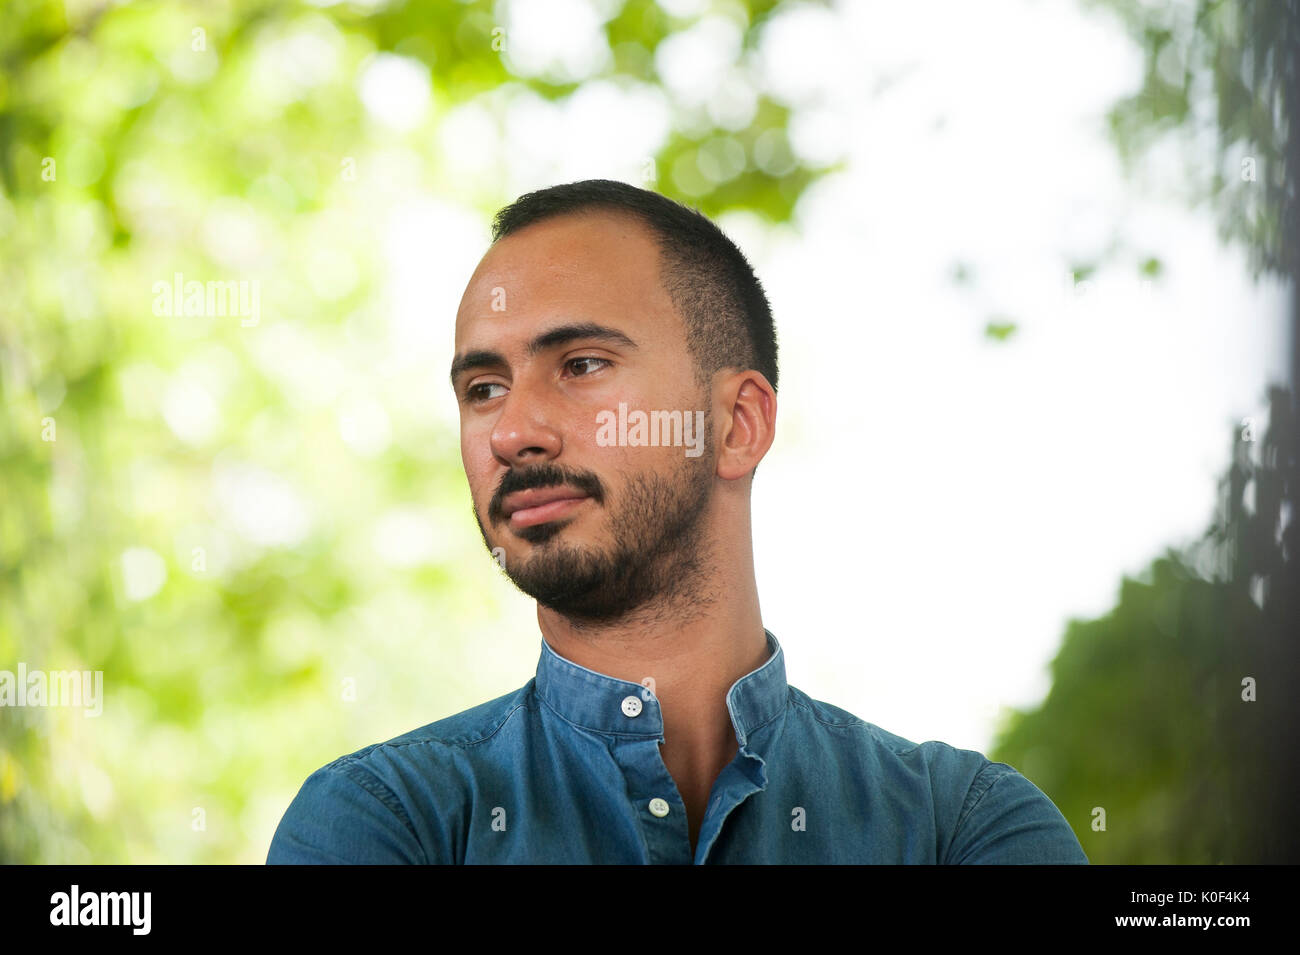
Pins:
x,y
694,643
693,660
689,658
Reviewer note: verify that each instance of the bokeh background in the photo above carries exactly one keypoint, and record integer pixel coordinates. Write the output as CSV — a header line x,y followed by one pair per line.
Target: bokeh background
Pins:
x,y
1033,489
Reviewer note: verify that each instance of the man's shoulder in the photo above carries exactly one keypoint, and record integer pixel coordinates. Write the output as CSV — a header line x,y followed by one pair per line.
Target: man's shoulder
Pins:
x,y
459,732
980,804
399,800
891,746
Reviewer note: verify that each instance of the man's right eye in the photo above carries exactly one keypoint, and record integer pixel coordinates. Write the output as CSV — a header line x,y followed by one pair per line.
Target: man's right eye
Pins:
x,y
475,393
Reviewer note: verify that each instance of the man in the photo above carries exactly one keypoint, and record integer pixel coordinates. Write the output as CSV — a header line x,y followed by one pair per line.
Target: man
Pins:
x,y
616,374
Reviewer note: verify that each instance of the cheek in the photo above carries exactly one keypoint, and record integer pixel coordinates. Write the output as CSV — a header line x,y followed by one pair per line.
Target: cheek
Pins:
x,y
479,463
582,427
476,441
599,418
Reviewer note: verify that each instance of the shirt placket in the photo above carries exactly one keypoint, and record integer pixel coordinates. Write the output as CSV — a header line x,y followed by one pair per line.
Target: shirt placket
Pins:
x,y
733,786
656,804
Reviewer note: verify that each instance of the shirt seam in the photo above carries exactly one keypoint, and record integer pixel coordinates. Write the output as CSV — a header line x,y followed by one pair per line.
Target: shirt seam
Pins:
x,y
381,791
401,744
968,806
770,720
856,721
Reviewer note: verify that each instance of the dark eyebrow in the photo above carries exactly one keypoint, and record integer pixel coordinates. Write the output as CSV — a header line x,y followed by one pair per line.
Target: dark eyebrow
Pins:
x,y
552,338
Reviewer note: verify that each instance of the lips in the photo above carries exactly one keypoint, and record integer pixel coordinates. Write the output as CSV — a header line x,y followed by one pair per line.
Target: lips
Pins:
x,y
525,508
522,500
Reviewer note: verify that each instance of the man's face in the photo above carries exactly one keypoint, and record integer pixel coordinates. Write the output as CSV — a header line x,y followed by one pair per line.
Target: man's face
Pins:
x,y
561,323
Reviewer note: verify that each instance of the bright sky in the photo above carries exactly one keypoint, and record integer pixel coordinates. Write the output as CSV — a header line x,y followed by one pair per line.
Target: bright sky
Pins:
x,y
937,505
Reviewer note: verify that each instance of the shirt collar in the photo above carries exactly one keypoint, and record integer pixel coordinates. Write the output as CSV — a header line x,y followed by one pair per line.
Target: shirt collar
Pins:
x,y
604,704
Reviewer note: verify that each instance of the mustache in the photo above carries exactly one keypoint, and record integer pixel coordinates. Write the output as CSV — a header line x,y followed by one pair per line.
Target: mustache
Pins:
x,y
543,475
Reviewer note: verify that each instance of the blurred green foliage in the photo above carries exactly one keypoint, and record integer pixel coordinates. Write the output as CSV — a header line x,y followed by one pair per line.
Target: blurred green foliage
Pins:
x,y
185,506
999,328
191,503
1220,77
1168,734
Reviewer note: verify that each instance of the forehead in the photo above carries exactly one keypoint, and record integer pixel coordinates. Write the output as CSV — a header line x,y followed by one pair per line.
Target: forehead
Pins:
x,y
594,265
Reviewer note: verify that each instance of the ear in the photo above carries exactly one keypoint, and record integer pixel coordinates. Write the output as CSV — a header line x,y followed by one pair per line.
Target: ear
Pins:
x,y
746,421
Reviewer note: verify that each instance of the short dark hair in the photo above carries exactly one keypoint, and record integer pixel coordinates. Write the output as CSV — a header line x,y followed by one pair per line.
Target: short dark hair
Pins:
x,y
727,316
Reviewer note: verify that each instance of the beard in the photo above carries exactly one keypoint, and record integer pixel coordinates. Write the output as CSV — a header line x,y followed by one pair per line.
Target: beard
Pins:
x,y
655,561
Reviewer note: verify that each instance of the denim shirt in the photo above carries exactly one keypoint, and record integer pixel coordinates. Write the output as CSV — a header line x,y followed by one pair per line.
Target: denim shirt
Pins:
x,y
567,770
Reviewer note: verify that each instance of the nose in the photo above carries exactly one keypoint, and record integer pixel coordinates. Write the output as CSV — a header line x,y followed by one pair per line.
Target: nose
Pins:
x,y
524,432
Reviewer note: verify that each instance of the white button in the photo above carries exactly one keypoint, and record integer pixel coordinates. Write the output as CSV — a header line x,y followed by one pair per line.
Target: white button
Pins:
x,y
631,706
658,807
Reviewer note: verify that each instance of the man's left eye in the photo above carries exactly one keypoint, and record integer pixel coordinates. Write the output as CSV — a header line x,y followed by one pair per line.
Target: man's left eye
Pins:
x,y
579,361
